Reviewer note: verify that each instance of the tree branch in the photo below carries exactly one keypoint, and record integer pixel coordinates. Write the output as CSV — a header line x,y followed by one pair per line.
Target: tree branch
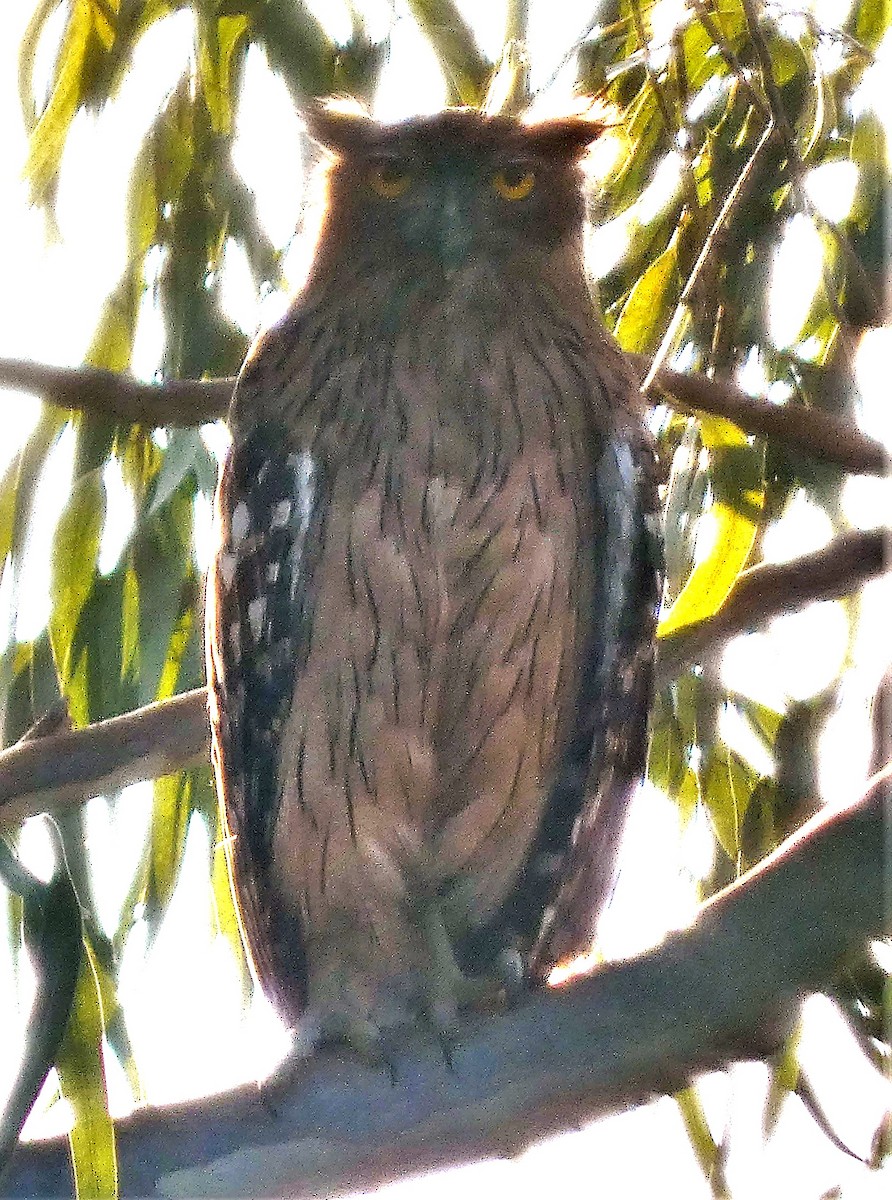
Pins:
x,y
190,402
64,769
771,589
726,988
808,430
67,768
175,402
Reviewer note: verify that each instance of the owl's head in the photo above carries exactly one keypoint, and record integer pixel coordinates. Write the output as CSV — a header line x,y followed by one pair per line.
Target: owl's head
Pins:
x,y
451,188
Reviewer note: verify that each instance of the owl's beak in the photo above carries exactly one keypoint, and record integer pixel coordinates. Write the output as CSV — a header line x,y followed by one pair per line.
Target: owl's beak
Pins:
x,y
454,227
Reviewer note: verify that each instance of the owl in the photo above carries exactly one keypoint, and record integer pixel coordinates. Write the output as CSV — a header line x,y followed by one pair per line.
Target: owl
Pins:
x,y
431,607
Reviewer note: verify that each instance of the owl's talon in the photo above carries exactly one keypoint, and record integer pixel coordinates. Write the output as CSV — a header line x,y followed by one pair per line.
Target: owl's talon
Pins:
x,y
511,972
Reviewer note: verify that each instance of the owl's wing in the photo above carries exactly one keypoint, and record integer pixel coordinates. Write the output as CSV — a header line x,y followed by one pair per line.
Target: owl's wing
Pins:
x,y
606,756
569,871
270,508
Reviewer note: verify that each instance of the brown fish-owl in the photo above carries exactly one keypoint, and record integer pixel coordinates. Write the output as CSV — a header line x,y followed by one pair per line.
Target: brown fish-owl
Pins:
x,y
431,610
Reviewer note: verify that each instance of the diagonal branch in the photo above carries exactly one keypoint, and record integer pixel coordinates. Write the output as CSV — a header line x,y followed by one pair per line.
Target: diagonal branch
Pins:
x,y
771,589
808,430
725,989
187,402
65,769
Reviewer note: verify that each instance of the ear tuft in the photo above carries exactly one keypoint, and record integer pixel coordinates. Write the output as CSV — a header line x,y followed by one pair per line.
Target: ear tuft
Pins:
x,y
341,125
565,137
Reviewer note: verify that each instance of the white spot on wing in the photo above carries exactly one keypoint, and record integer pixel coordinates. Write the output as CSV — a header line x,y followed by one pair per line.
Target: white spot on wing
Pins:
x,y
256,613
226,570
281,513
240,523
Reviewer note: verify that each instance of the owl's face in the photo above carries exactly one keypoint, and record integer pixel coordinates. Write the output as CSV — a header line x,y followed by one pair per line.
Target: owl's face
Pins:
x,y
452,188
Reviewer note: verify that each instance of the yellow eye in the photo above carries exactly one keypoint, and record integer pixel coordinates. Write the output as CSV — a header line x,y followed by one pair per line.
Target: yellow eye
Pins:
x,y
514,183
389,180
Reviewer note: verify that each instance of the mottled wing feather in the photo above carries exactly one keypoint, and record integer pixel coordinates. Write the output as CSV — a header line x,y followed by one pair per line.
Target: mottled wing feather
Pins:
x,y
270,510
606,758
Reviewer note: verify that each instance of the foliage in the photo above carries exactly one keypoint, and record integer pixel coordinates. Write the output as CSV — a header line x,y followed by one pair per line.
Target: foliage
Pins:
x,y
726,113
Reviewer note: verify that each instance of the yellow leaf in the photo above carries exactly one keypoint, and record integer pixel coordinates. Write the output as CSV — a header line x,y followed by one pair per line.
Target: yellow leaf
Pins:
x,y
730,535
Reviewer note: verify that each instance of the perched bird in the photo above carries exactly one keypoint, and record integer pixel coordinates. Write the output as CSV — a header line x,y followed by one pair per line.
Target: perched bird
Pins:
x,y
431,608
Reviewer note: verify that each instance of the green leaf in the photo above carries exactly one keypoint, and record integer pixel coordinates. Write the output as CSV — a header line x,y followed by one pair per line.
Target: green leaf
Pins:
x,y
645,314
869,20
116,1033
466,70
20,481
160,558
48,136
183,448
52,936
697,1128
171,814
82,1081
297,48
667,757
75,550
783,1079
221,42
726,785
733,534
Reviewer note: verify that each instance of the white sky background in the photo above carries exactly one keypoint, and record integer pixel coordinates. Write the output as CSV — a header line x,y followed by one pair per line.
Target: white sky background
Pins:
x,y
50,296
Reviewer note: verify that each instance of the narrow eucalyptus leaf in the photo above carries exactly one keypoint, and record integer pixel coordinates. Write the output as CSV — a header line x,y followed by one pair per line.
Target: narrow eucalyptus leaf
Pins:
x,y
52,935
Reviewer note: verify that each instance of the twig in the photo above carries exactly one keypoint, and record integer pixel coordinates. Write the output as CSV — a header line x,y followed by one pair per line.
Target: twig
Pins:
x,y
772,588
725,989
711,243
176,402
67,768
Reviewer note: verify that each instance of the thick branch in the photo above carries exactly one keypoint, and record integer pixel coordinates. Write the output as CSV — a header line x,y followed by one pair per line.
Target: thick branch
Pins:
x,y
181,402
724,989
68,768
191,401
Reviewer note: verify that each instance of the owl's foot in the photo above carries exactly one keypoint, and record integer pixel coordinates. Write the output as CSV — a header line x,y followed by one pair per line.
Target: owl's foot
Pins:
x,y
448,991
350,1000
358,1000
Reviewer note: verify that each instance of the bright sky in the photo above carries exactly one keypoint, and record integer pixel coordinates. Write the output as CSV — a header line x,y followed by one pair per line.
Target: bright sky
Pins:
x,y
49,300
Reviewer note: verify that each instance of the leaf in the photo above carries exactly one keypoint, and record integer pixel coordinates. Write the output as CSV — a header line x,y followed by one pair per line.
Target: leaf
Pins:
x,y
726,785
868,21
160,558
20,481
667,756
171,813
52,936
82,1081
297,48
466,70
48,136
783,1079
733,535
183,448
225,910
646,312
116,1034
29,686
75,550
221,41
702,1142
